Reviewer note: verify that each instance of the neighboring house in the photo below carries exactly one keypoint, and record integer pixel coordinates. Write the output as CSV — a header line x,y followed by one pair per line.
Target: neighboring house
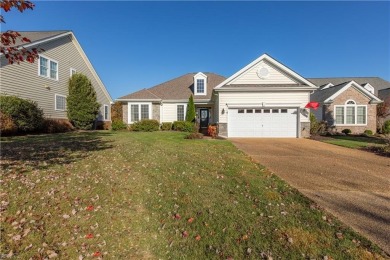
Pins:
x,y
46,80
348,103
263,99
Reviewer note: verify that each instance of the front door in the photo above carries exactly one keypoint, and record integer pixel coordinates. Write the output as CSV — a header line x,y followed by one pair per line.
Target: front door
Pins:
x,y
204,118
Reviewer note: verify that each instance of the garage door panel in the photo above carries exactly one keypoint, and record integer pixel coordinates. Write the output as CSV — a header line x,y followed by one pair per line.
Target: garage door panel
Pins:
x,y
273,124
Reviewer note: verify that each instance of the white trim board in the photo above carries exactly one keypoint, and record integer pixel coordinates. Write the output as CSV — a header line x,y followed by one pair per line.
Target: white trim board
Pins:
x,y
352,83
274,62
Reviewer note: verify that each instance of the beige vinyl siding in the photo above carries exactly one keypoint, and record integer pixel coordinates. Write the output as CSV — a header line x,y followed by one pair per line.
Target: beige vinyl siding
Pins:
x,y
23,80
169,111
275,76
259,98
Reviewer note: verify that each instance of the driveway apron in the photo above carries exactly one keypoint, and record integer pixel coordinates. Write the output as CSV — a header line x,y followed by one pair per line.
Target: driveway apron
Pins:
x,y
353,185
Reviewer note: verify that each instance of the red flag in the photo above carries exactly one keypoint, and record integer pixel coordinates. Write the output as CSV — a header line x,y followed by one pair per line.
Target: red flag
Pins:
x,y
313,105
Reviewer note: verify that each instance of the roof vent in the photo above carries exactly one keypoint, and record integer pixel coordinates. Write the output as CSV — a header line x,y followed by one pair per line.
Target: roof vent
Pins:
x,y
326,86
367,86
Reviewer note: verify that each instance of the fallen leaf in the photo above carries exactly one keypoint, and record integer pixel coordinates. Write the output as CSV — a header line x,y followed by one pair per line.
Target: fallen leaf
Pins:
x,y
89,236
97,254
190,220
197,237
65,216
184,234
90,208
176,216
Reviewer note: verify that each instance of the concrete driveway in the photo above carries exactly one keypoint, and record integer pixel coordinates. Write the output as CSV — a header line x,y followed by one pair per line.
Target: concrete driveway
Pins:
x,y
351,184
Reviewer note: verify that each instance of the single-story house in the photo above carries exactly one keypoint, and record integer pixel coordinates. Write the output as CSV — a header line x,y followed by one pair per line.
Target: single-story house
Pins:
x,y
46,80
263,99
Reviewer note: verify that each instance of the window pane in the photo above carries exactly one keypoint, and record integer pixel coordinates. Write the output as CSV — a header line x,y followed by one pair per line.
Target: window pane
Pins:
x,y
249,111
180,112
144,112
283,110
200,86
257,110
134,113
240,111
53,70
60,103
275,111
267,111
43,66
350,115
361,115
339,115
105,112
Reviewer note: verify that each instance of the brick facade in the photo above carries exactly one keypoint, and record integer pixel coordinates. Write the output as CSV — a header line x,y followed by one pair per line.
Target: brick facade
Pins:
x,y
351,94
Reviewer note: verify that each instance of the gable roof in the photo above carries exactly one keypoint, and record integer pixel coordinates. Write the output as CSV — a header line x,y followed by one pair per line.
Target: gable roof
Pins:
x,y
327,95
179,88
302,80
38,37
376,82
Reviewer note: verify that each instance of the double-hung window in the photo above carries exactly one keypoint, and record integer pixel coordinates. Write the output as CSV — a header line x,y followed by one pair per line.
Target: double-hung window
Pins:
x,y
139,112
105,116
180,112
48,68
200,86
351,114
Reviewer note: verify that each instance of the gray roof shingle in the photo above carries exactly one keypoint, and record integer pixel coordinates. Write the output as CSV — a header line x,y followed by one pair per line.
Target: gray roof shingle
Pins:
x,y
37,36
179,88
322,95
376,82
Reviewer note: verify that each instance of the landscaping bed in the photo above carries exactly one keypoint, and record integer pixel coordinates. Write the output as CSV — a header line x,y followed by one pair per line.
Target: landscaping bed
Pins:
x,y
133,195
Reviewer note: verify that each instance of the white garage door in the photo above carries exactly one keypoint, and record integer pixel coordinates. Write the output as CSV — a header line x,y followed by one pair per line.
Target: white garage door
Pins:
x,y
264,122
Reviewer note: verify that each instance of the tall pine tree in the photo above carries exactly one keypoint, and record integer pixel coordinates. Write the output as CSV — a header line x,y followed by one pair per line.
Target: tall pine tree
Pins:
x,y
191,113
82,105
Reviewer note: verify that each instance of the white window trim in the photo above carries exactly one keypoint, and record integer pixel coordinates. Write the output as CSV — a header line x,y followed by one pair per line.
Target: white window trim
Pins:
x,y
345,113
55,102
185,110
129,119
48,68
70,71
200,75
104,113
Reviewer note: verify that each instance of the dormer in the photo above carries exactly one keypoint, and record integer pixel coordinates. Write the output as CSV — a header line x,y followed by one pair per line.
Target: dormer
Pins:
x,y
200,84
329,85
368,87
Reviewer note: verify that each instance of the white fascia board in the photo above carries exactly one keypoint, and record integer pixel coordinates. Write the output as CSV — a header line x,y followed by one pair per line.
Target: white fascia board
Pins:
x,y
200,74
272,61
374,99
260,89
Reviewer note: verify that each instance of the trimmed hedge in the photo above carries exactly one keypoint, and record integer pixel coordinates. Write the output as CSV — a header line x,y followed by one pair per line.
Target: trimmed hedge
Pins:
x,y
368,132
346,131
118,125
166,126
146,125
184,126
25,114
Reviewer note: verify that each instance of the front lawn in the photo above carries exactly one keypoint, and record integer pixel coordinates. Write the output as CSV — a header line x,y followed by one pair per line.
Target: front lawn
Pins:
x,y
156,195
352,141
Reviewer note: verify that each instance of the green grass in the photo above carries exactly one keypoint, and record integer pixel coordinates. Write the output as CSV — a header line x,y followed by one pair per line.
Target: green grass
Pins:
x,y
137,184
355,142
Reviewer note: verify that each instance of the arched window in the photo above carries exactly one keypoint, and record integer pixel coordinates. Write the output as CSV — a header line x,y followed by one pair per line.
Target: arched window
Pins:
x,y
350,113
